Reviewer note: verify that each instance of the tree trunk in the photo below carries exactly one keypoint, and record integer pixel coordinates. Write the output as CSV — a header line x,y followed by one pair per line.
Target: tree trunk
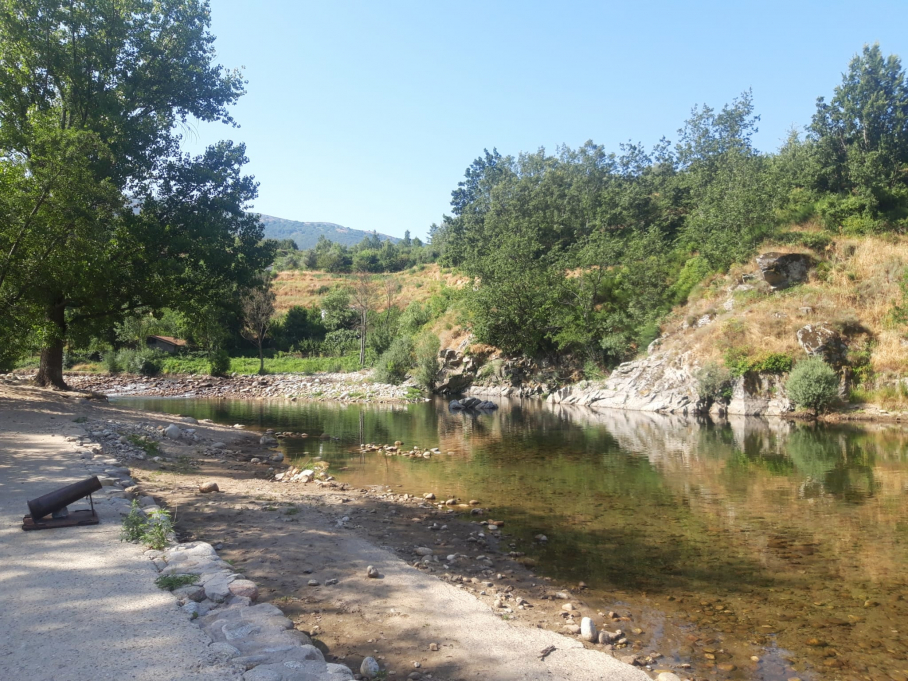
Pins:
x,y
50,371
261,359
362,343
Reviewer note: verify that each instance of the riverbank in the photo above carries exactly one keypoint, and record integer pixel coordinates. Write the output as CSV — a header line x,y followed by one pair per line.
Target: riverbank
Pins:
x,y
340,387
295,541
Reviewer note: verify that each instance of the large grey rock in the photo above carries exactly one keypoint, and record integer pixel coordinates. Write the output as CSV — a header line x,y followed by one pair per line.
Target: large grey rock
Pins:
x,y
217,588
781,270
821,340
173,432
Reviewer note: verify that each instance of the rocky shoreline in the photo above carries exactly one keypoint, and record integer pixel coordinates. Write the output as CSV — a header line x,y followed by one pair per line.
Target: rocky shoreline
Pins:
x,y
340,387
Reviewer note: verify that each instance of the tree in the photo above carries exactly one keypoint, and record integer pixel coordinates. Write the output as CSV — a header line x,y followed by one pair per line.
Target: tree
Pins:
x,y
258,309
102,213
862,139
362,300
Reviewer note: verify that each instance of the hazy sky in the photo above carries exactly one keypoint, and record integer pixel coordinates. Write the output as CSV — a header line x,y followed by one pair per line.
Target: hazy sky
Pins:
x,y
367,113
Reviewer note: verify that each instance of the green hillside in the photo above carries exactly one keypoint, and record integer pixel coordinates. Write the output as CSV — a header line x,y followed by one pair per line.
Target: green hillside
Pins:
x,y
306,234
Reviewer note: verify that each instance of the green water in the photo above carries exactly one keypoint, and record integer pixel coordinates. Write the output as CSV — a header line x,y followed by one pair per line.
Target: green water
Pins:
x,y
787,542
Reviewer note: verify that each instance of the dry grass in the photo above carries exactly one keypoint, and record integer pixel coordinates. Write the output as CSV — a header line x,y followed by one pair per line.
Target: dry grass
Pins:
x,y
307,287
854,289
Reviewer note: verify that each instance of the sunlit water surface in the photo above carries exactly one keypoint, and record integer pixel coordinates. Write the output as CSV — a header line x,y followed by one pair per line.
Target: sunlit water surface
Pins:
x,y
787,542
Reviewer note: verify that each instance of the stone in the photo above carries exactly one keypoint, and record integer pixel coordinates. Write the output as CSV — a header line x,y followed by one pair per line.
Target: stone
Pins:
x,y
173,432
369,668
424,551
428,496
146,501
668,676
821,340
568,607
313,582
372,572
277,458
267,441
245,588
208,487
781,270
218,445
223,650
192,592
588,630
572,628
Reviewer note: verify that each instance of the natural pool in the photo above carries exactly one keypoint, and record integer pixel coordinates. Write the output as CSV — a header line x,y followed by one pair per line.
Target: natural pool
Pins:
x,y
787,542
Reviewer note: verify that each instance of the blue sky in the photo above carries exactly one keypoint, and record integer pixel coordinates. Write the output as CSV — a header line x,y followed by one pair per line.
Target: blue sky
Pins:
x,y
367,113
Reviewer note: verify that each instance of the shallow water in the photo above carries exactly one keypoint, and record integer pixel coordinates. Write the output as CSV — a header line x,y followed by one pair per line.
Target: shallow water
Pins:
x,y
787,542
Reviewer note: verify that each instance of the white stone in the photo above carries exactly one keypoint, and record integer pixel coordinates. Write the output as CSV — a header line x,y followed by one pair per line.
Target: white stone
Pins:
x,y
588,630
369,668
668,676
173,432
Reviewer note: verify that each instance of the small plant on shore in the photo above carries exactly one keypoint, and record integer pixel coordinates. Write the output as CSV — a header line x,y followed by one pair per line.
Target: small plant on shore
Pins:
x,y
171,582
426,354
218,363
80,419
158,530
813,385
150,447
714,382
133,524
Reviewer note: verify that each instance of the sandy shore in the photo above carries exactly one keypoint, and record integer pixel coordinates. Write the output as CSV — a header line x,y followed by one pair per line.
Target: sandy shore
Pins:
x,y
478,615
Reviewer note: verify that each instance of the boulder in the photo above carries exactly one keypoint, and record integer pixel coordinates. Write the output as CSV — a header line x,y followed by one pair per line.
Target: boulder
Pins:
x,y
369,668
821,340
245,588
173,432
781,270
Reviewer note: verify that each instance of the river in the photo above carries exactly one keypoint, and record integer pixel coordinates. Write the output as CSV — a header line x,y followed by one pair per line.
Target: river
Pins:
x,y
782,541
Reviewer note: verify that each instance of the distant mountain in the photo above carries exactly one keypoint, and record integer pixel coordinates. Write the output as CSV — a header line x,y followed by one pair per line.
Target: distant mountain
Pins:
x,y
306,234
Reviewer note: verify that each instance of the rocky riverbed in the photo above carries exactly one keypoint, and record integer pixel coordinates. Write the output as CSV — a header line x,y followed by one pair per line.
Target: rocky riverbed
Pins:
x,y
343,387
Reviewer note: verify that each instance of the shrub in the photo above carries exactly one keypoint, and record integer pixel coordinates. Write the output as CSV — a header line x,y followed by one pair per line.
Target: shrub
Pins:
x,y
133,523
146,361
426,355
395,362
112,362
813,384
218,363
158,530
739,362
714,382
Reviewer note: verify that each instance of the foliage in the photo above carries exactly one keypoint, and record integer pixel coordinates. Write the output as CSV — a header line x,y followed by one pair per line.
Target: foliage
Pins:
x,y
714,382
257,307
146,362
218,363
372,255
103,214
425,355
158,530
150,447
172,582
813,384
740,362
395,362
133,524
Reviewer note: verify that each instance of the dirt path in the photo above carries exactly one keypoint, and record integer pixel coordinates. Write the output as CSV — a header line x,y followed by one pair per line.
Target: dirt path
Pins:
x,y
440,621
78,604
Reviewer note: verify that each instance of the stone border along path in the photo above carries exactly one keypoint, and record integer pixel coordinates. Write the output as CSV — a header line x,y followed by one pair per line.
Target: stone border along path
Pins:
x,y
256,638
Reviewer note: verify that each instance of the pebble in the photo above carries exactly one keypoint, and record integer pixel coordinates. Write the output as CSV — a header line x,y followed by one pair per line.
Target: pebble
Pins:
x,y
207,487
313,582
372,572
588,630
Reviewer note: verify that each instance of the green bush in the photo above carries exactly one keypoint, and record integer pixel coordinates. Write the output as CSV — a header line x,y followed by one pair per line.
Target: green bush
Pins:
x,y
146,361
739,362
157,532
133,524
813,385
395,362
218,363
112,362
714,382
426,355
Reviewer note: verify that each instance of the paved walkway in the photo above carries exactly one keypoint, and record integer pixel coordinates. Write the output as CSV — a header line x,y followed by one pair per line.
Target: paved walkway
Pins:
x,y
76,604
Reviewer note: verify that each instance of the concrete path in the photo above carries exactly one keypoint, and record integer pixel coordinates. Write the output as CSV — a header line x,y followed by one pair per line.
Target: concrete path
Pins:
x,y
76,604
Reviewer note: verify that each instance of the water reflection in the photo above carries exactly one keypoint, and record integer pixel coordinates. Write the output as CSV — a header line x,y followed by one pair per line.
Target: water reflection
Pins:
x,y
758,533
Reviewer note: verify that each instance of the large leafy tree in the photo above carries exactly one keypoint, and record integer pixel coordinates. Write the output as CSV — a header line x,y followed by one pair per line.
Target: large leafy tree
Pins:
x,y
101,212
862,140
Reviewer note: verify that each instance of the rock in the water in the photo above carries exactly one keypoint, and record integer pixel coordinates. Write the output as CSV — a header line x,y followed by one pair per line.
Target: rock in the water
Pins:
x,y
207,487
588,630
173,432
781,270
277,458
668,676
372,572
369,668
821,340
267,441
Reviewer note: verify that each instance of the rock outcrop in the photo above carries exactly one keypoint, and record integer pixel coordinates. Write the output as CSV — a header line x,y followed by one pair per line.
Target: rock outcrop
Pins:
x,y
781,270
821,340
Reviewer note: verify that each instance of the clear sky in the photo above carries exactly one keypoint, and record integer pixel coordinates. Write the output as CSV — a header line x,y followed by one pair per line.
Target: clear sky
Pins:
x,y
367,113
